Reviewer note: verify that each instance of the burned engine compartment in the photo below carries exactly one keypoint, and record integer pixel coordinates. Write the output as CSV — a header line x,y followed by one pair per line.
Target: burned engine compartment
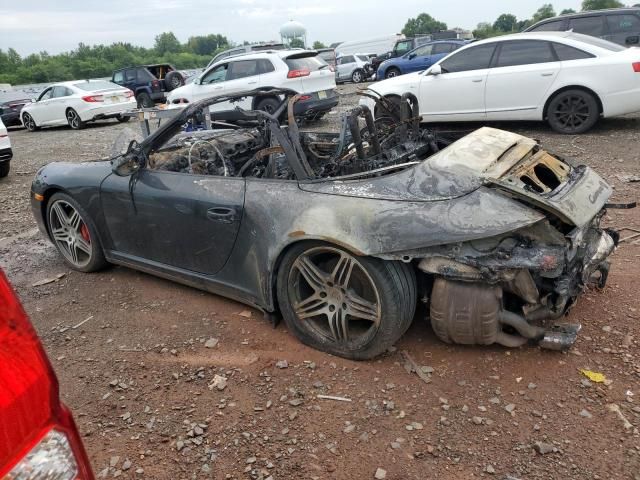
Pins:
x,y
260,147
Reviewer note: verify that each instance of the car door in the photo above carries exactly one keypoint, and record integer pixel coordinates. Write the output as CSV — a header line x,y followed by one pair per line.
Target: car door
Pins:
x,y
623,28
58,104
177,220
212,83
242,75
520,77
457,94
417,60
39,110
345,67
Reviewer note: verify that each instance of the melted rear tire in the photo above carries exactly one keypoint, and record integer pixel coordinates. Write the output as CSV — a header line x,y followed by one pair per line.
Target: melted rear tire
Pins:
x,y
4,169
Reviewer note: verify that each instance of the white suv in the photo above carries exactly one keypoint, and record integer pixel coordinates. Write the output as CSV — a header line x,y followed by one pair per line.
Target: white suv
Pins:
x,y
302,71
5,151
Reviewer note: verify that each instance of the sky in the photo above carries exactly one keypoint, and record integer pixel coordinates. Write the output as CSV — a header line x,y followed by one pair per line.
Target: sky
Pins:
x,y
32,26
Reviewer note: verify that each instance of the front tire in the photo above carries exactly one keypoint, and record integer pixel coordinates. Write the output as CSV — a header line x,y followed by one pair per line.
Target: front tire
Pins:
x,y
123,118
573,112
4,169
269,105
29,122
73,233
350,306
74,120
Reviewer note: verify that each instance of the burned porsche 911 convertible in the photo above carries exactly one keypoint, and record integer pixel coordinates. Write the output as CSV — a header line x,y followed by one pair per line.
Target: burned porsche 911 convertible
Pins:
x,y
342,234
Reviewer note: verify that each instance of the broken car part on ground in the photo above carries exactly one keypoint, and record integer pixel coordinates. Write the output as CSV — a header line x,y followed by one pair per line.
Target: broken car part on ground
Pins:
x,y
343,233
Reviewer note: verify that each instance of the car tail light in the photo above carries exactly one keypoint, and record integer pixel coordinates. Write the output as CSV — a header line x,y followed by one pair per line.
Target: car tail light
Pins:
x,y
304,72
38,438
304,97
332,68
636,67
155,84
93,98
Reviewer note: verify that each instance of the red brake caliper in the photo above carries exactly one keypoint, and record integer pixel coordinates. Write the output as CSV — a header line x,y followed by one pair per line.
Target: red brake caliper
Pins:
x,y
84,231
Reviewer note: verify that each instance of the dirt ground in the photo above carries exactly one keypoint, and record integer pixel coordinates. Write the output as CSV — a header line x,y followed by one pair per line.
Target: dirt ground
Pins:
x,y
139,373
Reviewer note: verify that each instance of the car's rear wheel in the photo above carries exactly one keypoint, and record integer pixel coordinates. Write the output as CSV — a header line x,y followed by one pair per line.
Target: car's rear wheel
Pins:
x,y
351,306
29,122
73,234
74,120
573,112
391,72
144,100
4,169
123,118
357,76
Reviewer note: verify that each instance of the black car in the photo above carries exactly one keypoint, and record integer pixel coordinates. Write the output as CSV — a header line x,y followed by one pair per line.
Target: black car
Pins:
x,y
618,25
342,233
149,83
10,112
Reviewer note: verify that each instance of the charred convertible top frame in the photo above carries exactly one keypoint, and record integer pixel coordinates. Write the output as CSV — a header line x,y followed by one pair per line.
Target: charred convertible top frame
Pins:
x,y
341,233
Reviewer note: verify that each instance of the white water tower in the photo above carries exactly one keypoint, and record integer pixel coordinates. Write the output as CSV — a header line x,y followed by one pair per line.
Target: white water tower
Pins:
x,y
293,30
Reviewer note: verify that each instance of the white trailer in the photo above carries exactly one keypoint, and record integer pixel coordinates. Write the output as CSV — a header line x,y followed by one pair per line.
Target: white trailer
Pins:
x,y
376,45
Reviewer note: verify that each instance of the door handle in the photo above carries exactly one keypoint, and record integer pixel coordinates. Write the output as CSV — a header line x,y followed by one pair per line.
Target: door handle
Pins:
x,y
547,74
251,83
476,80
218,88
222,214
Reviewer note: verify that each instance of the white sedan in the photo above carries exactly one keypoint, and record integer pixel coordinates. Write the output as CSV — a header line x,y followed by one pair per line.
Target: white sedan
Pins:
x,y
565,78
76,103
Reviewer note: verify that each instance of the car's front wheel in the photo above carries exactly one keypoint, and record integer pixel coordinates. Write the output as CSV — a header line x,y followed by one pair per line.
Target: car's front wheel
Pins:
x,y
74,120
347,305
123,118
357,76
29,122
73,234
573,112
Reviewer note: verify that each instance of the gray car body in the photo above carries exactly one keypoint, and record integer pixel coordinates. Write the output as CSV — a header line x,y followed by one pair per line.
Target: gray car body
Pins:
x,y
391,217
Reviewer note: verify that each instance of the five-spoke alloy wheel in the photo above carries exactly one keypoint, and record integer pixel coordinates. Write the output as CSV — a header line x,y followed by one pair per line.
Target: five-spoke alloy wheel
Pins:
x,y
29,122
73,234
351,306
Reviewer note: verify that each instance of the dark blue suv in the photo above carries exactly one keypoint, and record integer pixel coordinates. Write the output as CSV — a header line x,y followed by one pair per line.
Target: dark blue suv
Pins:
x,y
418,59
149,83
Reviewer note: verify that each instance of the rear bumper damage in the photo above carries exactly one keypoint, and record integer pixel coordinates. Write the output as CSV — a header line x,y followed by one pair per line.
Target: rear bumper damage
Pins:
x,y
515,287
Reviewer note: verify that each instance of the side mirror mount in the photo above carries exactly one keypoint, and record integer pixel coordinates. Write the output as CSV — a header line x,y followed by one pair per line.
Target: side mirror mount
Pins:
x,y
129,163
197,80
412,56
435,70
33,100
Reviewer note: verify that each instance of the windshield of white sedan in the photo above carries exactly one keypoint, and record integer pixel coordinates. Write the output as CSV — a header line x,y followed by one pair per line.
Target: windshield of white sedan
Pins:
x,y
95,85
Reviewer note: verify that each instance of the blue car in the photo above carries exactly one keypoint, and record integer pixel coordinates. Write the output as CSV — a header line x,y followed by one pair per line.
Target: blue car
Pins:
x,y
418,59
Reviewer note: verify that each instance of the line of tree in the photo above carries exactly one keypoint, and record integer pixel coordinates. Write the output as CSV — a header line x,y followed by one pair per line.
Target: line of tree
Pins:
x,y
505,23
100,60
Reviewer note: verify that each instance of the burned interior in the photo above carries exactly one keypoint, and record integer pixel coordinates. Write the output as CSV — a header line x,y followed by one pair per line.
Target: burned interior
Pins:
x,y
255,145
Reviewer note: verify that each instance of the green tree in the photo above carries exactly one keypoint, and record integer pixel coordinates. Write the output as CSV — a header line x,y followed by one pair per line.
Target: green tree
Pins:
x,y
506,23
422,24
166,42
296,43
545,11
206,45
600,4
485,30
318,45
567,11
